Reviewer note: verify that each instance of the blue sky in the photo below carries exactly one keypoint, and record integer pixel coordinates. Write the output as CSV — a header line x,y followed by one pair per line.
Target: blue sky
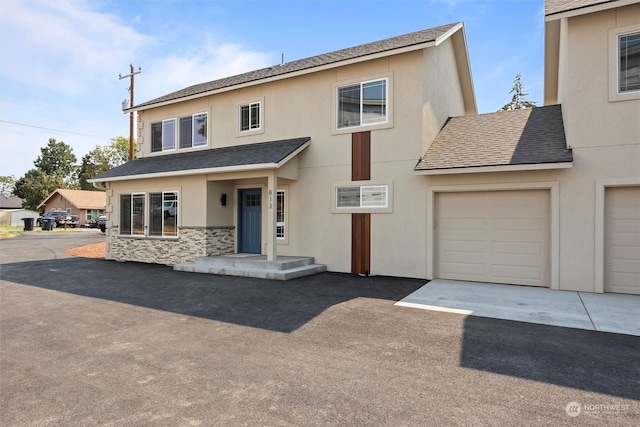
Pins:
x,y
61,59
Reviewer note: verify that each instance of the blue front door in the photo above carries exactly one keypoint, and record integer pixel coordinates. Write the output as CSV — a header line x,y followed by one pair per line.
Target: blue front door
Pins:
x,y
249,220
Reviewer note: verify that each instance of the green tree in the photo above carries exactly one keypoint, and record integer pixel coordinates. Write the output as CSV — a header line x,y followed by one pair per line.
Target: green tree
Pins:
x,y
518,100
101,159
7,185
36,186
54,168
56,158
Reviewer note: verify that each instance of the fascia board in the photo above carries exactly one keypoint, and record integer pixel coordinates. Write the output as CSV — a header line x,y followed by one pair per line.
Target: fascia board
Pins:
x,y
589,9
505,168
237,168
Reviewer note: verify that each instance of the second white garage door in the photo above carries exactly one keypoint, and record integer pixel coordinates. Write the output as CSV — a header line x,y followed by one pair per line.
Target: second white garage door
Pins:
x,y
496,236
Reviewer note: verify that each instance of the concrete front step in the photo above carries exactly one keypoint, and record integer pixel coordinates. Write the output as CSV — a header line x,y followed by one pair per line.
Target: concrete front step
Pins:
x,y
257,266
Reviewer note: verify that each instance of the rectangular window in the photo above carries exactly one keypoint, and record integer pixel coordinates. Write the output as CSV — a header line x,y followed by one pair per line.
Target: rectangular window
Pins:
x,y
362,104
132,214
280,215
163,135
250,117
163,214
193,131
629,65
366,196
94,213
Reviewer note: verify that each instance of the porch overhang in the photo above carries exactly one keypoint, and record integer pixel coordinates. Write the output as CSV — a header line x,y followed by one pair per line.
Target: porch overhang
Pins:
x,y
240,158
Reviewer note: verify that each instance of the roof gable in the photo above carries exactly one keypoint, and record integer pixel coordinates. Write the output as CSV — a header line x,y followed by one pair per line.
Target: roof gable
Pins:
x,y
415,40
531,136
81,199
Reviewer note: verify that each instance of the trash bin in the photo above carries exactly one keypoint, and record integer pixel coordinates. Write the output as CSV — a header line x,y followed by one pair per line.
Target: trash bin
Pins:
x,y
28,224
47,224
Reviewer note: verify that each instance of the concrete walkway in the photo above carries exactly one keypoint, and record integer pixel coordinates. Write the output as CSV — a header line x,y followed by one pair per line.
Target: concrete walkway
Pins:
x,y
581,310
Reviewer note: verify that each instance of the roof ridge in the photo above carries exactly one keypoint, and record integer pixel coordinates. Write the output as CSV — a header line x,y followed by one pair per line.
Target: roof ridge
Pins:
x,y
379,46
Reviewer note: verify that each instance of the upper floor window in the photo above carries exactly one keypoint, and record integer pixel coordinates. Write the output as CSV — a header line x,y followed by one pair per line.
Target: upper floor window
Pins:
x,y
364,196
193,131
629,65
163,135
250,116
362,104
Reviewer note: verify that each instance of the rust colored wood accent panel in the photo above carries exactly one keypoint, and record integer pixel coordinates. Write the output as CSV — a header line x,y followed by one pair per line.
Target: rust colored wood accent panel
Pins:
x,y
361,243
361,156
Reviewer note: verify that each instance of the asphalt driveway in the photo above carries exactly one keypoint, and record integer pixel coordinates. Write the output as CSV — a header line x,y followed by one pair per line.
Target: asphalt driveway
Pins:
x,y
88,342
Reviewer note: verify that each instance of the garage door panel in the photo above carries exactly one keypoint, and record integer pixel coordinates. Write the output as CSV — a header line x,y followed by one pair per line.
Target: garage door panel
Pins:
x,y
509,248
499,236
517,224
511,273
462,270
622,240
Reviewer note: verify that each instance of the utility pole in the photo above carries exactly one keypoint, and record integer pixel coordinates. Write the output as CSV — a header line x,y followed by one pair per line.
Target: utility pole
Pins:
x,y
124,107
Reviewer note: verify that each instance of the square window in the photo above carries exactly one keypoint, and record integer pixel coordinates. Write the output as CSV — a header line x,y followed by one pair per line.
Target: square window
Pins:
x,y
250,117
362,104
193,131
163,135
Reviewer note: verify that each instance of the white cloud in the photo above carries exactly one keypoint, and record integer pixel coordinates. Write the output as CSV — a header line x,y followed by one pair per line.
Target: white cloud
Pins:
x,y
63,46
208,62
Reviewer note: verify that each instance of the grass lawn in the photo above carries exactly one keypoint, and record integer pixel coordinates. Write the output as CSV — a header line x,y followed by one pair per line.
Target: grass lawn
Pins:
x,y
8,231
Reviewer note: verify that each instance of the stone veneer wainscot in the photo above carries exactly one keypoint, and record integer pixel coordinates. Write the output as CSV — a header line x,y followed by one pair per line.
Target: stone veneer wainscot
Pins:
x,y
191,243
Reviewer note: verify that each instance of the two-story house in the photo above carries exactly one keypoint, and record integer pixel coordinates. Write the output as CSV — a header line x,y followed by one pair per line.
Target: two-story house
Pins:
x,y
312,157
373,160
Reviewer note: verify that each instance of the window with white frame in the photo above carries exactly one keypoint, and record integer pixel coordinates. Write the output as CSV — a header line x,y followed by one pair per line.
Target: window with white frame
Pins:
x,y
132,208
629,62
362,103
163,135
94,213
193,130
250,117
163,213
280,215
364,196
155,214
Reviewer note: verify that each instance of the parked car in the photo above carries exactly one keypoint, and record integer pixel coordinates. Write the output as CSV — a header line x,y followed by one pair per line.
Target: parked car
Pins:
x,y
102,223
54,215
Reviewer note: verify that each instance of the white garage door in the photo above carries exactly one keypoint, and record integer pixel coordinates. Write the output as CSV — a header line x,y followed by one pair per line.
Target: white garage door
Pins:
x,y
496,236
622,240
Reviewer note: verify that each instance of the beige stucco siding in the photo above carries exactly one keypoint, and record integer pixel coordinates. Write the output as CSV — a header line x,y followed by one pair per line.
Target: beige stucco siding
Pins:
x,y
590,118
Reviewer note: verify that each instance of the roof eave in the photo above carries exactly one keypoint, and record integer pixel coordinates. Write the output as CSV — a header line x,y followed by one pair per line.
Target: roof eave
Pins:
x,y
613,4
498,168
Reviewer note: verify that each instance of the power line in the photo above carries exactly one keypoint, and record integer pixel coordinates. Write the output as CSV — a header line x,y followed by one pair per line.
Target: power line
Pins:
x,y
55,130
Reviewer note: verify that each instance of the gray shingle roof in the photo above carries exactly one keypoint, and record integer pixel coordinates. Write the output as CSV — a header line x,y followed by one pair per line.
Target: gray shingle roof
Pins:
x,y
399,42
527,136
239,155
558,6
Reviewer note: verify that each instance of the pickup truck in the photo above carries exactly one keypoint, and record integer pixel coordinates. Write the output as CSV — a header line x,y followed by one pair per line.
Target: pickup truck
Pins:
x,y
52,215
60,218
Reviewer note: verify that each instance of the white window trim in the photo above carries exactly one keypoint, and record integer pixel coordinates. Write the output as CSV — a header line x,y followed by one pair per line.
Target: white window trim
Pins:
x,y
388,123
285,223
175,134
614,63
145,220
193,133
387,208
250,131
